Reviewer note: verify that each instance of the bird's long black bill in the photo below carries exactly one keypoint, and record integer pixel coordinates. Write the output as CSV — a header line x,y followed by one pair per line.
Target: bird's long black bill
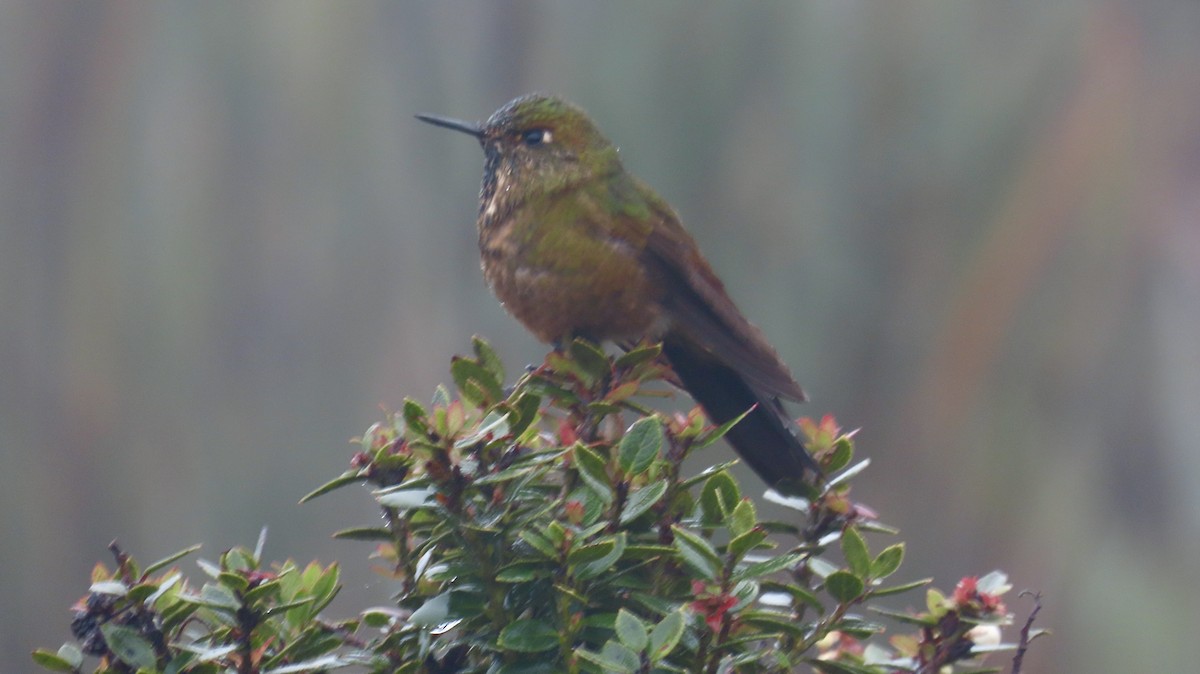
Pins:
x,y
469,128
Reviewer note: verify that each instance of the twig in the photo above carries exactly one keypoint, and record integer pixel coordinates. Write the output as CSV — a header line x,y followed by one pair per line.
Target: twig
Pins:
x,y
1023,645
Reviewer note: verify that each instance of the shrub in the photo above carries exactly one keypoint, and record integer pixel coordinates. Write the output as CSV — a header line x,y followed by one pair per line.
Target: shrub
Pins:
x,y
554,527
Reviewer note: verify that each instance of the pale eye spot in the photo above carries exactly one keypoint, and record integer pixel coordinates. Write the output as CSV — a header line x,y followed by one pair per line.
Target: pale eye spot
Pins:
x,y
537,137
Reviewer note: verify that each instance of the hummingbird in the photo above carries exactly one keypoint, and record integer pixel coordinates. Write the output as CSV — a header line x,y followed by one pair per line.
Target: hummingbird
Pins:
x,y
574,246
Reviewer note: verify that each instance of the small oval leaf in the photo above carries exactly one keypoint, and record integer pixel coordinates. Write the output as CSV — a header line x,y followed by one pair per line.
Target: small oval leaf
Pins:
x,y
844,586
854,549
640,445
887,561
631,631
592,470
528,636
697,553
665,636
47,660
642,500
129,646
718,497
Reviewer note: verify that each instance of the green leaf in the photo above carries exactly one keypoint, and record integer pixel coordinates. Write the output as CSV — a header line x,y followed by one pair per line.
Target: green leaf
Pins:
x,y
739,546
177,611
475,383
631,631
590,359
615,651
850,472
665,636
348,477
494,425
743,518
556,533
707,473
897,589
236,583
591,551
447,606
441,397
768,567
215,597
540,543
267,591
844,586
606,662
638,355
621,392
718,497
487,357
378,618
854,549
169,560
129,646
887,561
592,471
363,534
526,410
935,601
745,591
522,572
519,471
528,636
774,621
71,654
843,452
603,408
405,498
859,628
326,588
820,567
140,592
697,553
719,432
798,593
648,551
416,419
53,662
434,611
238,559
295,603
593,507
594,566
640,445
642,500
571,594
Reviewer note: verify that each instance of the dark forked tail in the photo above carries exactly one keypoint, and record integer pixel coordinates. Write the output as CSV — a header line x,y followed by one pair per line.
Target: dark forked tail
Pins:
x,y
763,438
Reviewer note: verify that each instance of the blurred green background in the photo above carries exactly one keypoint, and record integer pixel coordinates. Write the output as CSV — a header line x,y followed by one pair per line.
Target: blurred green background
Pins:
x,y
973,229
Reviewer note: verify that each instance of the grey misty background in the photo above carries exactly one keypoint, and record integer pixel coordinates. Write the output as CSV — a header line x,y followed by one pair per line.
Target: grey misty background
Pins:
x,y
973,229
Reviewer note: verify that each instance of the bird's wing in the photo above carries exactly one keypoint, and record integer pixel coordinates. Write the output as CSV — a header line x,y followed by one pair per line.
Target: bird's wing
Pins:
x,y
701,310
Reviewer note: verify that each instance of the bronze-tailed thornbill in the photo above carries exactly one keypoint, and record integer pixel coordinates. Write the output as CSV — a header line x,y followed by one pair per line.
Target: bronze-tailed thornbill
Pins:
x,y
574,246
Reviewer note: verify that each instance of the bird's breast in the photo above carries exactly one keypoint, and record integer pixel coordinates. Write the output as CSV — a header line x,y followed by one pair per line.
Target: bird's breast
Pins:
x,y
564,278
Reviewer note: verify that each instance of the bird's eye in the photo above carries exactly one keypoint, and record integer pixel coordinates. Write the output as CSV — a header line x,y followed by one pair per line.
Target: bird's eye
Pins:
x,y
536,137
